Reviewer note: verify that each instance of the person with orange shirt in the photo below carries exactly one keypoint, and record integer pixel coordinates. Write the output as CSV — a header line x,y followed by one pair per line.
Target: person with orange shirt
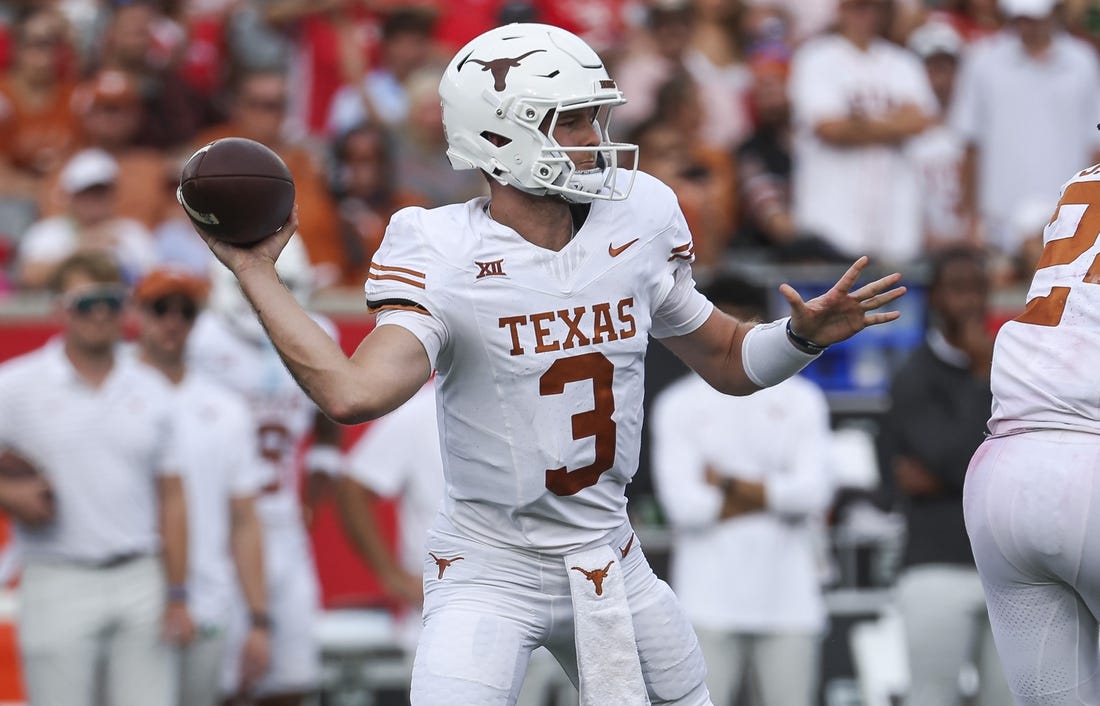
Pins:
x,y
257,110
36,126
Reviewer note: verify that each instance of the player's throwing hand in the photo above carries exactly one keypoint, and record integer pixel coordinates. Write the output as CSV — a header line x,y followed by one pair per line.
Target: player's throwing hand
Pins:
x,y
840,313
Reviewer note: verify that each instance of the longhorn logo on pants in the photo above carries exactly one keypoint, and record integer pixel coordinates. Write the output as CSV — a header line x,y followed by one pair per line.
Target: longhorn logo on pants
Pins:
x,y
443,563
596,576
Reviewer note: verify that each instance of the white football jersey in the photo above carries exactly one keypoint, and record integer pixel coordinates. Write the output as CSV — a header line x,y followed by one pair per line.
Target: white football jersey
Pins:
x,y
1045,360
282,412
540,355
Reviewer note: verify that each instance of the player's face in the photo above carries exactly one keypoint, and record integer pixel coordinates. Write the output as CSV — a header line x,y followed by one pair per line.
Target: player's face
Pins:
x,y
577,128
92,312
165,325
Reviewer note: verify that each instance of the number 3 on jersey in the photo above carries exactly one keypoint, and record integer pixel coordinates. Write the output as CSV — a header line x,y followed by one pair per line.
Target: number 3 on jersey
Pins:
x,y
596,422
1081,202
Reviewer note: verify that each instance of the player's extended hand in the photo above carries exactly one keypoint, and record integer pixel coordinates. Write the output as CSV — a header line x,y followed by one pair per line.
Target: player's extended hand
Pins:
x,y
840,313
263,253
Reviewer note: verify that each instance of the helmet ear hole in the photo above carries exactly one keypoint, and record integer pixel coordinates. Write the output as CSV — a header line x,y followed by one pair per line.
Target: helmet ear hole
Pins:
x,y
495,139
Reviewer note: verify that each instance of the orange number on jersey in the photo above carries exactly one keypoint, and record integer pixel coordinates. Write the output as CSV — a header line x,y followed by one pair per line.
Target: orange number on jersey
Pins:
x,y
1047,310
596,422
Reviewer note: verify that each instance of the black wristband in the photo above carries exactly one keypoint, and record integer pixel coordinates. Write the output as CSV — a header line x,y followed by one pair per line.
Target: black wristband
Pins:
x,y
803,344
260,620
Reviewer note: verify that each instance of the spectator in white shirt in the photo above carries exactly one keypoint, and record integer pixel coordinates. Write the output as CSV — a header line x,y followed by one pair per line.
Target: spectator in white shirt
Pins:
x,y
222,474
90,224
741,480
1026,105
856,100
101,498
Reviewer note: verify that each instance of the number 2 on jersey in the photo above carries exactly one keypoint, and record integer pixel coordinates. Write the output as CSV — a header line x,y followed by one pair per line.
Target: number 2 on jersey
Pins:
x,y
596,422
1047,310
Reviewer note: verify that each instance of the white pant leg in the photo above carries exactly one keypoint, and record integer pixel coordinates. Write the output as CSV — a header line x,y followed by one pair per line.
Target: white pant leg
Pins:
x,y
482,619
200,665
62,614
787,668
492,607
673,666
141,668
1031,506
726,655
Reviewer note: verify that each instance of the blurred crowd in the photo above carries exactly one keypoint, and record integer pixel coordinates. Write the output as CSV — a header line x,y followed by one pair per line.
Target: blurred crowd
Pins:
x,y
808,131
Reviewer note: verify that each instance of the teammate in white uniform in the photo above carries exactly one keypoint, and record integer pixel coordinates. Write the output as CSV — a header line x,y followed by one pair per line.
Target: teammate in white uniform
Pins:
x,y
228,344
1032,494
536,306
221,476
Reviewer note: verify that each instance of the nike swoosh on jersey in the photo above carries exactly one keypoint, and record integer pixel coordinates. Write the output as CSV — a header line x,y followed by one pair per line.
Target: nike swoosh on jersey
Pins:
x,y
626,550
616,251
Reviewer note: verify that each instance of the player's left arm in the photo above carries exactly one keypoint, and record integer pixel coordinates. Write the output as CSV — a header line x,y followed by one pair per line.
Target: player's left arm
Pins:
x,y
739,358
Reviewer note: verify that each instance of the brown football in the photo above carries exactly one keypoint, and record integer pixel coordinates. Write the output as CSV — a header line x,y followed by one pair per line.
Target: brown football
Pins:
x,y
237,190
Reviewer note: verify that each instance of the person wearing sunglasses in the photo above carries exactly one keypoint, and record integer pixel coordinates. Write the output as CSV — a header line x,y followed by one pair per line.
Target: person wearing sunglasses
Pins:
x,y
222,478
101,521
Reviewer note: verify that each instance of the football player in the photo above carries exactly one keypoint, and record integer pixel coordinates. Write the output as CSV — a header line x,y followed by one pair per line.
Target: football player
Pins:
x,y
535,305
229,344
1031,493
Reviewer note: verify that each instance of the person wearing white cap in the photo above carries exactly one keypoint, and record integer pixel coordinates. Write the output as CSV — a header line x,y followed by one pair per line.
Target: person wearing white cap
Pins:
x,y
1026,104
89,223
937,153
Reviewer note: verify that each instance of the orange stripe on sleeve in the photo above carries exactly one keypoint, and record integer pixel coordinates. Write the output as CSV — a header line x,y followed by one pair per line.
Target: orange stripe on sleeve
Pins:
x,y
397,278
406,270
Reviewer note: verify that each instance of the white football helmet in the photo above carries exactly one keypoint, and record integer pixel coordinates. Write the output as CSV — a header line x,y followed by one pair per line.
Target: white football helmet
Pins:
x,y
228,301
505,82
